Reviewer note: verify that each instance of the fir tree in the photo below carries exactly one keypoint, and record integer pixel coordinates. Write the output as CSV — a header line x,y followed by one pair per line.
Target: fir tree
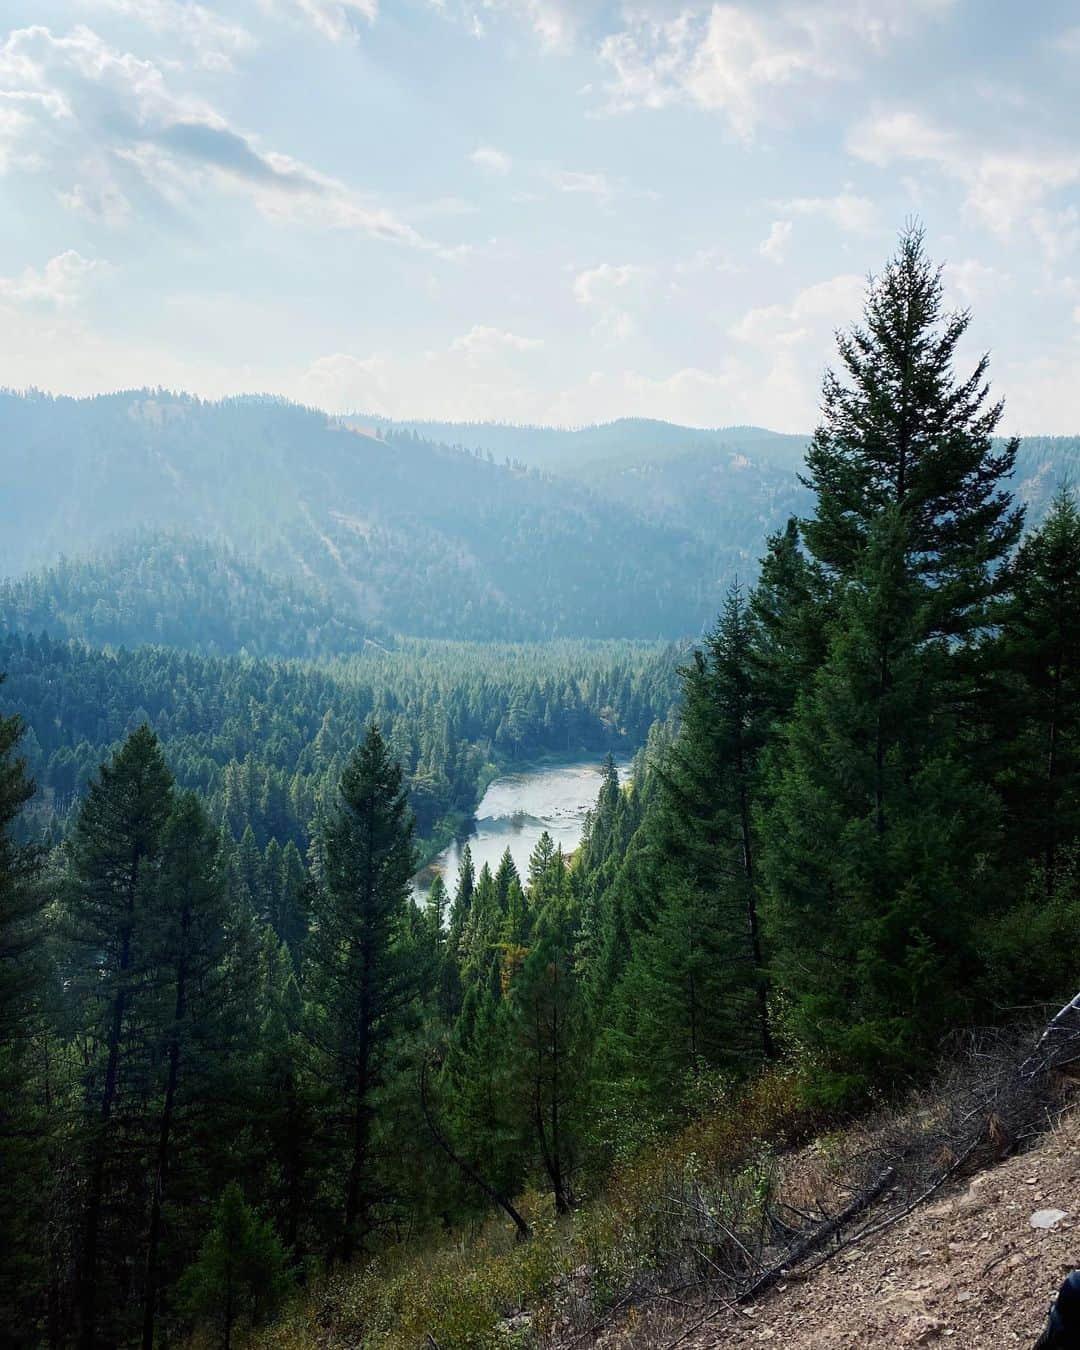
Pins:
x,y
22,1127
115,855
240,1277
899,432
185,949
360,982
1038,722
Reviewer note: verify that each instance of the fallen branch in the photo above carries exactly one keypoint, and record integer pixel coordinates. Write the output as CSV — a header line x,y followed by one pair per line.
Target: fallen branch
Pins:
x,y
523,1230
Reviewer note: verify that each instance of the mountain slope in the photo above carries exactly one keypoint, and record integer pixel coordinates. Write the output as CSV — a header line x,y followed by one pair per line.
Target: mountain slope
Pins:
x,y
423,538
177,591
638,536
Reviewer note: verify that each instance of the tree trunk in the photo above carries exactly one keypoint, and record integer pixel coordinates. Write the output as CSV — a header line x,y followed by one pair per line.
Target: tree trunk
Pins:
x,y
153,1239
92,1220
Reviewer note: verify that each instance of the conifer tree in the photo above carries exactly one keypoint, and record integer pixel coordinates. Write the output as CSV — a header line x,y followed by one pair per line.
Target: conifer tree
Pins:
x,y
360,983
899,431
1039,720
877,835
22,974
240,1277
115,857
185,948
551,1040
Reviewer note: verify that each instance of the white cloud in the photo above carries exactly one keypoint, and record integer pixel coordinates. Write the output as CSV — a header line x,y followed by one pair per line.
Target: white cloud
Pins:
x,y
974,281
61,283
600,285
609,290
775,245
554,22
480,374
846,211
1003,187
338,19
730,58
816,311
591,184
494,161
89,109
100,200
214,40
481,342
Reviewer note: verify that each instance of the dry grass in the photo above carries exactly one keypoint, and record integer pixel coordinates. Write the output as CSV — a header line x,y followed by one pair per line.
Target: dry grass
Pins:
x,y
701,1216
487,1290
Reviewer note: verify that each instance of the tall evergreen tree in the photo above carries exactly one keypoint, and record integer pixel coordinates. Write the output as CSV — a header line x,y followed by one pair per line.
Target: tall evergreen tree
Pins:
x,y
1038,722
899,431
550,1036
878,838
185,949
22,972
115,857
359,981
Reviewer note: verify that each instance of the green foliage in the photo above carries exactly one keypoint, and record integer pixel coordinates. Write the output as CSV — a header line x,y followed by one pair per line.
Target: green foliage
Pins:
x,y
24,1122
360,976
178,591
239,1277
859,830
266,742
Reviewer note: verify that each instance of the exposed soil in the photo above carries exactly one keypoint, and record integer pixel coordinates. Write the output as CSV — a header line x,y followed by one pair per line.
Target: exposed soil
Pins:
x,y
968,1268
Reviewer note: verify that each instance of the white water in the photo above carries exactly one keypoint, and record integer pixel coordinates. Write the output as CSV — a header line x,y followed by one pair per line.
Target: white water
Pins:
x,y
515,811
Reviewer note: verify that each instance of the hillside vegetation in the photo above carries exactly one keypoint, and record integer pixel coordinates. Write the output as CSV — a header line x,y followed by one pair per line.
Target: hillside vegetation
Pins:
x,y
252,1089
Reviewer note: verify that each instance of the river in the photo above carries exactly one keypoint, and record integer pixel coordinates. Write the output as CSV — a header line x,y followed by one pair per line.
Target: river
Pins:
x,y
515,811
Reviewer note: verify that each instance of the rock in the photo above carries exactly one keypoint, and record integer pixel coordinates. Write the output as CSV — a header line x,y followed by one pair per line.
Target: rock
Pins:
x,y
923,1330
1047,1218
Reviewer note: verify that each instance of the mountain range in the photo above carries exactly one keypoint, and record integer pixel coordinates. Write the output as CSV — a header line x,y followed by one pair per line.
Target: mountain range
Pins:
x,y
166,509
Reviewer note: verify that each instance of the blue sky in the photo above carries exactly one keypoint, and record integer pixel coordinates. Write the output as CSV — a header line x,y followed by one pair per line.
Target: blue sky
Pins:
x,y
530,210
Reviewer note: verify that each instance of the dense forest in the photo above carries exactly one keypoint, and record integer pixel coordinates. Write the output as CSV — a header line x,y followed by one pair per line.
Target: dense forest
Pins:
x,y
265,742
237,1058
420,538
178,591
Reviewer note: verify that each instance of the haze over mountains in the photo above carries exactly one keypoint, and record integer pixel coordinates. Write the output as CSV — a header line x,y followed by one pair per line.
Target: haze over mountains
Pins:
x,y
253,507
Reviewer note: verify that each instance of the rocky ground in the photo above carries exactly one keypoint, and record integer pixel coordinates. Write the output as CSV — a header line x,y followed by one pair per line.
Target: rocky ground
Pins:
x,y
977,1268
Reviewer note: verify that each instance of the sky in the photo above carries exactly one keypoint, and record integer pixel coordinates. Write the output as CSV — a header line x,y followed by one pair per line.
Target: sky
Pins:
x,y
542,211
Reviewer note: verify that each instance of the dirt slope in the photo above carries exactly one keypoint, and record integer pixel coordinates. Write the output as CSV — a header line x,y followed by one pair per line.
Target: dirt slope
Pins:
x,y
968,1269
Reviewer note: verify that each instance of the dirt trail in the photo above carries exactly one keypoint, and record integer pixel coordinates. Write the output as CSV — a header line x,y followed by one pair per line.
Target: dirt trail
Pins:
x,y
968,1269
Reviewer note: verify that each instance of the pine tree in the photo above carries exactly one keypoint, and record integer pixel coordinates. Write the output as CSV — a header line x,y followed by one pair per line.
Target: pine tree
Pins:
x,y
185,945
240,1277
1039,718
552,1049
878,837
115,856
877,834
899,432
359,980
23,1181
708,795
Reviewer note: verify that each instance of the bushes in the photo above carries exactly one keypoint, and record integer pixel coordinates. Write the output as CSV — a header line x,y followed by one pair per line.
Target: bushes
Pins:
x,y
469,1293
239,1278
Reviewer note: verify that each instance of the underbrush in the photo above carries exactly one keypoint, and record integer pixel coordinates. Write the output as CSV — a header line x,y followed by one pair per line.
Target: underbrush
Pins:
x,y
719,1210
488,1291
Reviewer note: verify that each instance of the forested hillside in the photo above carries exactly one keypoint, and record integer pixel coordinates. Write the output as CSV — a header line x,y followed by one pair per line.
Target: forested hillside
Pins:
x,y
251,1089
417,537
265,742
279,506
178,591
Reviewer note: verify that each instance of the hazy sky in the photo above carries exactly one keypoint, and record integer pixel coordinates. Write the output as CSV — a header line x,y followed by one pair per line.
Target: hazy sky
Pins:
x,y
530,210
